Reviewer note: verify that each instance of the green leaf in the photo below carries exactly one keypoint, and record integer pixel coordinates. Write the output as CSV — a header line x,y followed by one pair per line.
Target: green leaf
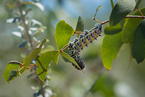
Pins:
x,y
130,27
120,10
43,62
137,4
27,11
39,31
27,61
63,32
98,8
112,4
69,58
10,5
138,49
110,48
10,73
112,30
80,25
39,5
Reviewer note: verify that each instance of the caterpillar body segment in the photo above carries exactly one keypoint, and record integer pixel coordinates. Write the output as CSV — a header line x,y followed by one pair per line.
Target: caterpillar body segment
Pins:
x,y
92,35
84,43
76,57
84,39
80,62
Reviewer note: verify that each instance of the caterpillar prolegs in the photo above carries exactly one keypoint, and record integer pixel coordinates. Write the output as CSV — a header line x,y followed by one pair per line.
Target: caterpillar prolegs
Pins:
x,y
84,39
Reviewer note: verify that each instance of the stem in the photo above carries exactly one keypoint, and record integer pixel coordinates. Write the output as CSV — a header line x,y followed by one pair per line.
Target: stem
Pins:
x,y
79,32
97,77
23,20
64,48
105,22
102,23
97,20
140,12
41,86
31,66
142,17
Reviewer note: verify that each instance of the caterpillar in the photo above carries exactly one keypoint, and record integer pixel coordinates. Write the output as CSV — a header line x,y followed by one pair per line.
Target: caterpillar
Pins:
x,y
76,57
79,43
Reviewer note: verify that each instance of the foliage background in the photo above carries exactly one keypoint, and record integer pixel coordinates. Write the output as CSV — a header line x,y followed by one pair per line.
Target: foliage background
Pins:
x,y
67,81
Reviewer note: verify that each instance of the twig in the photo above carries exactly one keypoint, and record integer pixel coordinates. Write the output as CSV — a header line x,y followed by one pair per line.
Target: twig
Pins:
x,y
102,23
140,12
97,77
23,20
135,17
105,22
97,20
79,32
41,86
64,48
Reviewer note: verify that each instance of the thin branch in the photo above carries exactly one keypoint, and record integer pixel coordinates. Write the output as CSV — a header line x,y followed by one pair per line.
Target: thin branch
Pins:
x,y
135,17
142,17
97,77
140,12
105,22
64,48
41,86
77,32
23,20
97,20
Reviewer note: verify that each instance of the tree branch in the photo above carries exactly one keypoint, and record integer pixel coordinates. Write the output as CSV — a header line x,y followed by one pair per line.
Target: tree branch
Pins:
x,y
41,86
142,17
23,20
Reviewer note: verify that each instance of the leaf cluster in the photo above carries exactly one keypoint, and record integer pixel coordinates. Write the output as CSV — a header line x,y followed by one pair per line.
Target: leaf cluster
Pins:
x,y
124,27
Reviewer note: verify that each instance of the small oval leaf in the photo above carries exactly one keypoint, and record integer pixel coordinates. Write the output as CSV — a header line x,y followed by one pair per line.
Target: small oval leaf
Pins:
x,y
80,25
138,49
23,44
98,8
120,10
63,32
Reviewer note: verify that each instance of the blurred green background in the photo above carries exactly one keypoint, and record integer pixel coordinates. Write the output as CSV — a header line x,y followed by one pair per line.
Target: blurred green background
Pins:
x,y
66,80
